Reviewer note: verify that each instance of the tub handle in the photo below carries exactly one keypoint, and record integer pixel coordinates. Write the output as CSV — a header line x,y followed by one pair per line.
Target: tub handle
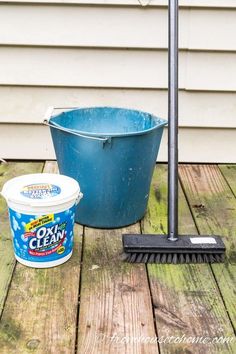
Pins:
x,y
73,132
80,196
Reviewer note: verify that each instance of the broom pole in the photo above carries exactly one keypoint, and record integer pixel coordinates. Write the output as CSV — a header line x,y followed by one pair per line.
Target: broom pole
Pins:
x,y
173,120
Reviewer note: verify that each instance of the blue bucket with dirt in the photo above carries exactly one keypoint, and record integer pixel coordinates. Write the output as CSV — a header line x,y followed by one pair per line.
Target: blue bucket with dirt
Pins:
x,y
111,152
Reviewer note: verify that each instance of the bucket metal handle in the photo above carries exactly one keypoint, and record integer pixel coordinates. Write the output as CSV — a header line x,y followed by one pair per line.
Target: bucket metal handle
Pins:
x,y
80,196
71,131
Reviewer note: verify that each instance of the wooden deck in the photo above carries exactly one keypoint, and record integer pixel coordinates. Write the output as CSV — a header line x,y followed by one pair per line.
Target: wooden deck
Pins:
x,y
95,303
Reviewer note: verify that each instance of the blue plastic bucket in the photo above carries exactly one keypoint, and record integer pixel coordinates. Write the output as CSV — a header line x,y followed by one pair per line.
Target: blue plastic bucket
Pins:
x,y
111,152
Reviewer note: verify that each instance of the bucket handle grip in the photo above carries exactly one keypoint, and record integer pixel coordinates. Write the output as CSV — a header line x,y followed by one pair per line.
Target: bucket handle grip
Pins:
x,y
104,140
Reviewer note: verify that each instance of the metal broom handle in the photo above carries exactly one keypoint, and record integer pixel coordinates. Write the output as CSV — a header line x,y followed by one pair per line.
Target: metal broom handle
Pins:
x,y
173,121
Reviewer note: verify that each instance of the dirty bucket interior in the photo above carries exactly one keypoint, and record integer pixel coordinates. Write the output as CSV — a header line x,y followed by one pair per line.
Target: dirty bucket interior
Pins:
x,y
107,121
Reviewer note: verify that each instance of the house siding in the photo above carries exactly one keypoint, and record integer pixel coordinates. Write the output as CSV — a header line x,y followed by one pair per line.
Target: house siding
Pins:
x,y
74,54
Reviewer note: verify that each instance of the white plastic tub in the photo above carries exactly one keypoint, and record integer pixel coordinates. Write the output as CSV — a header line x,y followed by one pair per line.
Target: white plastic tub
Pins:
x,y
41,212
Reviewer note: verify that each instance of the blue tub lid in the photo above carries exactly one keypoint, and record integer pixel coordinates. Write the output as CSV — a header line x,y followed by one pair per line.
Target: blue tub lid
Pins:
x,y
41,189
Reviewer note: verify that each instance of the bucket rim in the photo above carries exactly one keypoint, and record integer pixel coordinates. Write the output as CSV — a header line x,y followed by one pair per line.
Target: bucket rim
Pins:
x,y
160,122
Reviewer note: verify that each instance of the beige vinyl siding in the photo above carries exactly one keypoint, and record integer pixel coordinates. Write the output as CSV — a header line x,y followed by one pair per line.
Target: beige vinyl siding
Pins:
x,y
115,68
200,29
64,54
205,109
146,3
33,142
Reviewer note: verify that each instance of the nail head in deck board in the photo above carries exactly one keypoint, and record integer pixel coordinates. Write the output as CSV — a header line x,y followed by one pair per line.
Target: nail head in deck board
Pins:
x,y
40,312
185,297
229,172
204,184
7,259
115,298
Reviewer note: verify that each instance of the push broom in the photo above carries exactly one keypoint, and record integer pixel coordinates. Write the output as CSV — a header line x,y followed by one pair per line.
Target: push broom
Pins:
x,y
173,248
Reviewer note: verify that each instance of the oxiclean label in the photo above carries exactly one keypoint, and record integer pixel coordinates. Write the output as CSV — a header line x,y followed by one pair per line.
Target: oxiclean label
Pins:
x,y
42,238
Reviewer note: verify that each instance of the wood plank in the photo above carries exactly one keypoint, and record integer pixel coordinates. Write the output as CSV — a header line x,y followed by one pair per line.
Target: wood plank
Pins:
x,y
7,259
115,299
186,297
214,209
229,173
40,312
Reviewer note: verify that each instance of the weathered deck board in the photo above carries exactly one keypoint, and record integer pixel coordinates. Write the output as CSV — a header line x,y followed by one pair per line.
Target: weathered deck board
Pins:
x,y
115,298
214,208
186,298
229,172
7,259
115,306
40,312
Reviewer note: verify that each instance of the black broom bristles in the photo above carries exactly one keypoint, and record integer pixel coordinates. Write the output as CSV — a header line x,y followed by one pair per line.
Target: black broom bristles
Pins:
x,y
173,258
159,249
